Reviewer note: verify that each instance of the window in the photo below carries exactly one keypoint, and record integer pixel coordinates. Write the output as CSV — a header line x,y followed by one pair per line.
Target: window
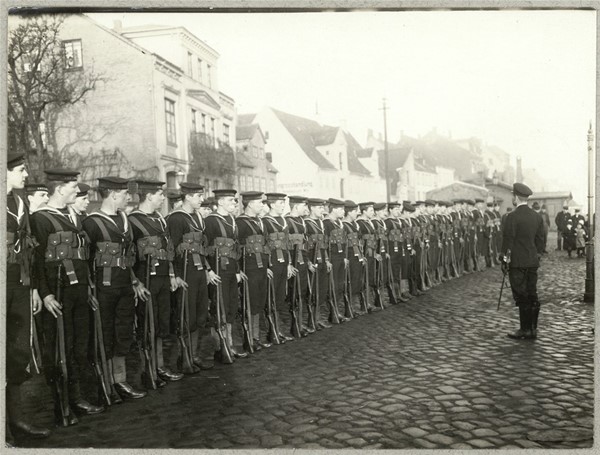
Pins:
x,y
170,121
73,57
226,133
245,148
193,127
215,184
208,80
212,127
271,185
190,59
207,186
256,184
263,184
199,70
242,183
255,152
204,123
341,165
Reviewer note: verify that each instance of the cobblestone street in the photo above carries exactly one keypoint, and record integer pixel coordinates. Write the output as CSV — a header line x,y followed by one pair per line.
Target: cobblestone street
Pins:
x,y
436,372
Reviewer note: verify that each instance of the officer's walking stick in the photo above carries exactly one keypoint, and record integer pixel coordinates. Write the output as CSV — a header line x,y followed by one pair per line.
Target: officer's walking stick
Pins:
x,y
504,271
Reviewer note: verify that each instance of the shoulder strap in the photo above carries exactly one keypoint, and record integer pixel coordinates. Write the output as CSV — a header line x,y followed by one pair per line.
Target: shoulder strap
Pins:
x,y
140,226
57,227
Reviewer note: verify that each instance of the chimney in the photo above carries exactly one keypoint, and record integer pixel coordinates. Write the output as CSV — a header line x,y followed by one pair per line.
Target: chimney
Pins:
x,y
519,170
117,26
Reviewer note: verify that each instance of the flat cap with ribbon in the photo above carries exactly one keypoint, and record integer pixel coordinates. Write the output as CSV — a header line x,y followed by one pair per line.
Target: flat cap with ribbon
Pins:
x,y
113,183
61,175
191,188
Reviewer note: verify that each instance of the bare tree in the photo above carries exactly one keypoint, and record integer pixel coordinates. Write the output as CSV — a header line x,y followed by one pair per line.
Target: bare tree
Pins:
x,y
42,81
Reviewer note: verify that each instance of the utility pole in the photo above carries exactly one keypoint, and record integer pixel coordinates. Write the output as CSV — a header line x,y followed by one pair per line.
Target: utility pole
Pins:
x,y
385,151
588,296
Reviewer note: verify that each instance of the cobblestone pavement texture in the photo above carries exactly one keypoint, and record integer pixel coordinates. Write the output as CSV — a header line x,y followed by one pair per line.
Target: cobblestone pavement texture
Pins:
x,y
436,372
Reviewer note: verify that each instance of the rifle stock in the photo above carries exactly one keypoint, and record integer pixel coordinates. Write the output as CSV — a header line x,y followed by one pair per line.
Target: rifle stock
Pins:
x,y
148,337
246,310
184,327
271,314
62,376
335,317
348,293
226,354
296,301
34,345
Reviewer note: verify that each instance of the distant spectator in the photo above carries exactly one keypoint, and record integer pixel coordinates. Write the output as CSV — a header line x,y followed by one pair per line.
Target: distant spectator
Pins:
x,y
561,223
569,237
581,237
546,219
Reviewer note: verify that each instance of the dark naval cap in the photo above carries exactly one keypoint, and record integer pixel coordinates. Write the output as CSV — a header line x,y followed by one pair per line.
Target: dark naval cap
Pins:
x,y
191,188
392,205
208,202
350,205
522,190
276,196
83,189
365,205
149,185
61,175
252,196
379,206
335,203
112,183
297,200
224,193
408,206
14,159
478,199
315,201
31,188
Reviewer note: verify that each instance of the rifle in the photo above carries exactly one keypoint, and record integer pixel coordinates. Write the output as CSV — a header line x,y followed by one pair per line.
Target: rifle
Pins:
x,y
226,354
271,313
349,312
313,292
184,327
335,317
366,304
246,313
62,379
148,347
391,283
296,301
34,345
99,358
504,269
378,278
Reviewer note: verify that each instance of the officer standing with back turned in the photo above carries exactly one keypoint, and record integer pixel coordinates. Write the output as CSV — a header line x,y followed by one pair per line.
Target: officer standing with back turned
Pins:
x,y
522,247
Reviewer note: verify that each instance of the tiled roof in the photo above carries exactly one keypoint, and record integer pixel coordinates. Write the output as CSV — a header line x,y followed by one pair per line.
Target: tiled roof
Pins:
x,y
396,158
365,153
245,119
440,151
325,136
302,130
244,132
354,164
243,160
272,168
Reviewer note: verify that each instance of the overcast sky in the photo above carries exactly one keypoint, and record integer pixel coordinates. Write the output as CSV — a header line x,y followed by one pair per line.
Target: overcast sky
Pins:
x,y
521,80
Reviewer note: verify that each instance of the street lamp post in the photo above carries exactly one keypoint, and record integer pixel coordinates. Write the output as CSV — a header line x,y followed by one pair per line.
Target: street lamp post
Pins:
x,y
588,296
386,152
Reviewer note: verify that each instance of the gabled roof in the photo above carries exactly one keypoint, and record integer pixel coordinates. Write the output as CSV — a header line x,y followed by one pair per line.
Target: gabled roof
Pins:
x,y
396,158
440,151
325,136
245,119
302,131
365,153
352,148
243,160
245,132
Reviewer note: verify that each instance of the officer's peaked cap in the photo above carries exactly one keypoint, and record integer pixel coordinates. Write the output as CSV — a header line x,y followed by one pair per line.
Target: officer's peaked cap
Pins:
x,y
522,190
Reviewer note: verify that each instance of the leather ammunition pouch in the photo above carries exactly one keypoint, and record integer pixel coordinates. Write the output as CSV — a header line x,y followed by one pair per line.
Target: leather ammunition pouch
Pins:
x,y
225,248
255,244
337,237
65,246
354,242
277,242
318,242
112,254
297,242
194,243
370,243
396,236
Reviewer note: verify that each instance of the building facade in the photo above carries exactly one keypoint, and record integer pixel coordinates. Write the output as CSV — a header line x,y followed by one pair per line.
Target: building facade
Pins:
x,y
255,172
158,99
